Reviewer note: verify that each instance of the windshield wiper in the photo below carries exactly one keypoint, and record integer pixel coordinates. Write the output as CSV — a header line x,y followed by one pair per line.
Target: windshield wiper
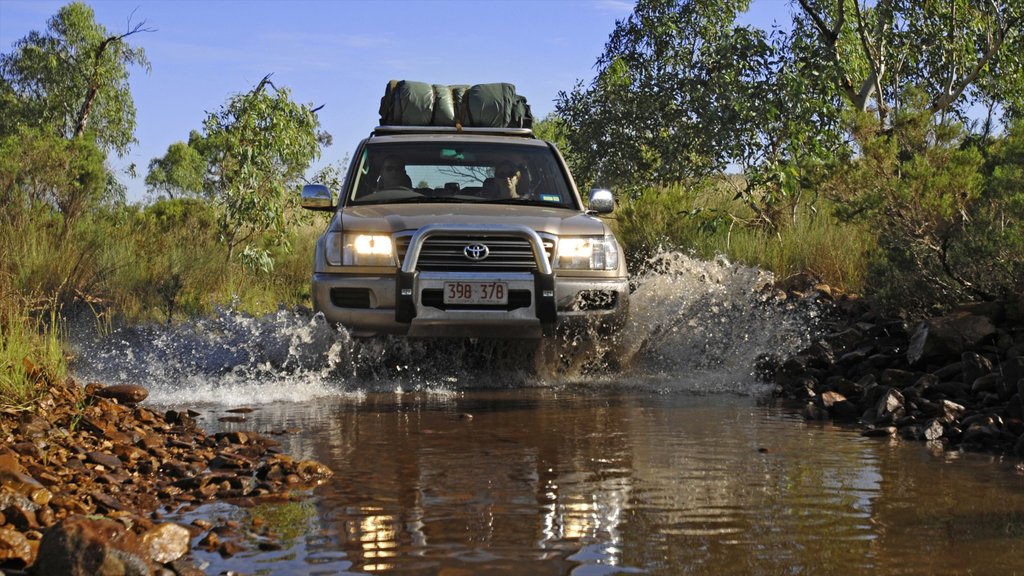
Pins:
x,y
524,201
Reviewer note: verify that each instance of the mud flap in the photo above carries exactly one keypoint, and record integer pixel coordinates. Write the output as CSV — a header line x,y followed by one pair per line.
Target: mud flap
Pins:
x,y
544,292
405,301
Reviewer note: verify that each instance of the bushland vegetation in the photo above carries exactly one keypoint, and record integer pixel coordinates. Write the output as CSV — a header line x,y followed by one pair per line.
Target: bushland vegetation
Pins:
x,y
876,145
221,227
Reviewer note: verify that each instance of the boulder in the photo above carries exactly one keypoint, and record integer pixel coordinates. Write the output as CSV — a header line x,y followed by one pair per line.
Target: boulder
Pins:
x,y
952,334
80,546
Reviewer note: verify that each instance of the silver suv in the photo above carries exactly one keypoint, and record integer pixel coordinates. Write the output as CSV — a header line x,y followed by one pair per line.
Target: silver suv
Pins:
x,y
469,232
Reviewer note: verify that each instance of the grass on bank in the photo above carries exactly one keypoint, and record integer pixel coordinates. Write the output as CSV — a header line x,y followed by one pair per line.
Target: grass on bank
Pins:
x,y
704,219
31,353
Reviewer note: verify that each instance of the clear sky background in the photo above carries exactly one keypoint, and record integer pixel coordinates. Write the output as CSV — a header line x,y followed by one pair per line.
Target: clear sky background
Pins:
x,y
340,54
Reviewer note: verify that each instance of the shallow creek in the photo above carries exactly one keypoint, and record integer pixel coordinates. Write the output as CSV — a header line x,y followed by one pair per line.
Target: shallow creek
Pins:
x,y
658,452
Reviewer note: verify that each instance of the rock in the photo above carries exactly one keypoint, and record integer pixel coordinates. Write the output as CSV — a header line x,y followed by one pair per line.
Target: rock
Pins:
x,y
994,311
949,335
882,432
975,366
898,378
123,393
889,407
15,546
166,542
951,412
934,430
108,461
79,546
988,383
814,412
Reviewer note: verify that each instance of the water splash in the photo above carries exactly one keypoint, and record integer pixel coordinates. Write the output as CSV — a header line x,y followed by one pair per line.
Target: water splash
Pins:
x,y
695,325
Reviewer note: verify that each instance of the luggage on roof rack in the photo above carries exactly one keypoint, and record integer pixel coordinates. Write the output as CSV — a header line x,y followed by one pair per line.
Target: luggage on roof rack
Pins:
x,y
495,105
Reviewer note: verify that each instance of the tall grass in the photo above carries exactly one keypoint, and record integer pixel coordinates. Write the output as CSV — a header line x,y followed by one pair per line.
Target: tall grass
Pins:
x,y
705,219
30,350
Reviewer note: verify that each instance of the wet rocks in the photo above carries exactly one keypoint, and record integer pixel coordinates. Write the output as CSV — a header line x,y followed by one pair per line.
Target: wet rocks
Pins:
x,y
123,393
955,380
83,479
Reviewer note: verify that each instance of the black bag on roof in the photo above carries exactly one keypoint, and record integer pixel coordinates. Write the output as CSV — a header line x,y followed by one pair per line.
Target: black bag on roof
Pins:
x,y
407,103
446,104
495,105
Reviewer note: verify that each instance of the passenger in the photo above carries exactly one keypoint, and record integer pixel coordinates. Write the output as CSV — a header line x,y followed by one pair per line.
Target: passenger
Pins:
x,y
393,175
506,181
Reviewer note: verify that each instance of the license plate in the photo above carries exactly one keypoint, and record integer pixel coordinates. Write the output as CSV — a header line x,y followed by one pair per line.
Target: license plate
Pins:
x,y
480,293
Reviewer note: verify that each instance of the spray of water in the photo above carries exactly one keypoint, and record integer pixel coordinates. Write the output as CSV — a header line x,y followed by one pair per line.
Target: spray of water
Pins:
x,y
695,325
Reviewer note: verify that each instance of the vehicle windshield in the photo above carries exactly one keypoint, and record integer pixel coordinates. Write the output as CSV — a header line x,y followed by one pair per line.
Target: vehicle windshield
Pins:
x,y
470,172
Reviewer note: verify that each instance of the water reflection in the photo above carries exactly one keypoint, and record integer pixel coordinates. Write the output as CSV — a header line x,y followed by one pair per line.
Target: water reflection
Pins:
x,y
558,482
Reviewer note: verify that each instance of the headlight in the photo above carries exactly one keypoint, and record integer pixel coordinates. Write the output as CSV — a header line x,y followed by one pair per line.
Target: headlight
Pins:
x,y
359,250
588,253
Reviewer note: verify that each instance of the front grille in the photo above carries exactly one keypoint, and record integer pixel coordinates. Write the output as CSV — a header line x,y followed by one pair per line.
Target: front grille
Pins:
x,y
435,299
445,253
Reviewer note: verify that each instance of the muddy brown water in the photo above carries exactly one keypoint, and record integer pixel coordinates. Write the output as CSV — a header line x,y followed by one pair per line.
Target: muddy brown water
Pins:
x,y
543,481
464,458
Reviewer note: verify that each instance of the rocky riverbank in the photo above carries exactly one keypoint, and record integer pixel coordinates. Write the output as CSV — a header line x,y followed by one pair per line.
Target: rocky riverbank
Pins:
x,y
87,475
955,380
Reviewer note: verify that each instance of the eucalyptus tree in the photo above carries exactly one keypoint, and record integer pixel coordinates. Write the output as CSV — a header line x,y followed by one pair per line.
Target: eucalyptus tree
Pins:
x,y
66,102
256,148
73,79
960,53
683,91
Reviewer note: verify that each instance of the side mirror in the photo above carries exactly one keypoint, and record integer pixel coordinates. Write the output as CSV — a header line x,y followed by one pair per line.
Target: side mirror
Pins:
x,y
601,200
317,197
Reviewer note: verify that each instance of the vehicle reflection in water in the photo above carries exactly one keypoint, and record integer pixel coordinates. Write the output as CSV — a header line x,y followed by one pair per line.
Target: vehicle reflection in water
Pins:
x,y
544,481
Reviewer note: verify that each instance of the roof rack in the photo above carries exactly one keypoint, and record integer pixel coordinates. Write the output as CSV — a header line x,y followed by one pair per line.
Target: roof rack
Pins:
x,y
389,130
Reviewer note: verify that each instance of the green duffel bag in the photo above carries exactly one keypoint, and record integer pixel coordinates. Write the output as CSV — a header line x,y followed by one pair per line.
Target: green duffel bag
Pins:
x,y
407,103
488,105
446,103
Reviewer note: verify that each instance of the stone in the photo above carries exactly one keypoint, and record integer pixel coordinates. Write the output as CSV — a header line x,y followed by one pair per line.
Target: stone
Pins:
x,y
992,382
123,393
934,430
881,432
15,546
80,546
994,311
975,366
949,335
108,461
951,411
166,542
889,407
898,378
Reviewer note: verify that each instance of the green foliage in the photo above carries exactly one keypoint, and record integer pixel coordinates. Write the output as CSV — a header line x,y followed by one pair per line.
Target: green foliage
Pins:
x,y
179,172
71,80
960,53
40,170
705,219
249,160
30,350
682,93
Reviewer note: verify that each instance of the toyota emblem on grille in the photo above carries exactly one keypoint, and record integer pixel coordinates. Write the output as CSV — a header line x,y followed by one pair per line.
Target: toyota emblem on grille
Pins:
x,y
476,251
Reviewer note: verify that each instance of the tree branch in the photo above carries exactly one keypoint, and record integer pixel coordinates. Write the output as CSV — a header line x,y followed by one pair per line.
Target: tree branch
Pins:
x,y
93,89
1002,32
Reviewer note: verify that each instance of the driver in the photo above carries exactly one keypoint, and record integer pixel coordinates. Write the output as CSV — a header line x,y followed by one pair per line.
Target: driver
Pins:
x,y
393,175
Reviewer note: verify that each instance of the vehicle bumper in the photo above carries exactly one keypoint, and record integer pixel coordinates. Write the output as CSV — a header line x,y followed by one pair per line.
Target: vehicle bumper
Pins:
x,y
367,306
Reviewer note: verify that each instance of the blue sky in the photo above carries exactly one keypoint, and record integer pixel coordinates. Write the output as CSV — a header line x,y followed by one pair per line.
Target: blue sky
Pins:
x,y
340,54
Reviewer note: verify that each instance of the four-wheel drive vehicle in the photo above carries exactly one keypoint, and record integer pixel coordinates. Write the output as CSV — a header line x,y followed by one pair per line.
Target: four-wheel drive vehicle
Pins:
x,y
464,232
